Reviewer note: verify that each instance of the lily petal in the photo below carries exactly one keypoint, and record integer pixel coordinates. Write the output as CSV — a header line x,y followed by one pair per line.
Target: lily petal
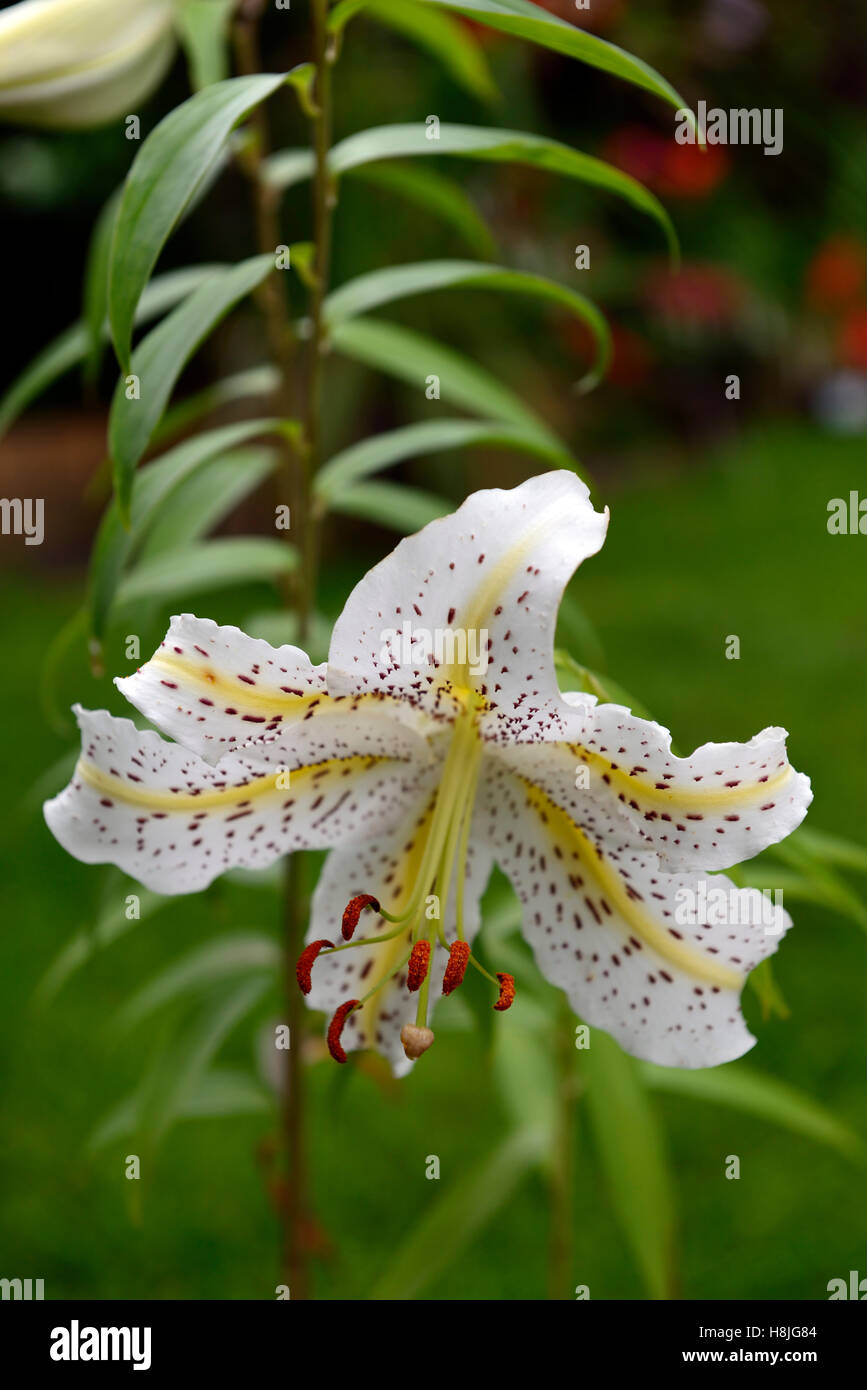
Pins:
x,y
723,804
175,823
77,63
605,925
215,689
493,571
384,866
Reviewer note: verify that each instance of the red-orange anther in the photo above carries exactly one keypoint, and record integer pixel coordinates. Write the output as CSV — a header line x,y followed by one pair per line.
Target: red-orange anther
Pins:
x,y
305,963
335,1028
507,991
456,968
353,911
418,965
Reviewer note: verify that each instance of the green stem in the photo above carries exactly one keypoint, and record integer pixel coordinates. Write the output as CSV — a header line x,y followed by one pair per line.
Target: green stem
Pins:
x,y
295,481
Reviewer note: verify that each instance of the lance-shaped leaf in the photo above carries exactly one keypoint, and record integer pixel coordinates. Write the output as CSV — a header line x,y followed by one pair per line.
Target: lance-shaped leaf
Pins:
x,y
528,21
152,488
404,509
435,194
171,167
178,1066
159,360
71,347
632,1153
96,285
380,287
208,565
472,142
207,497
428,437
219,1092
414,358
438,34
226,958
203,26
255,381
463,1210
740,1088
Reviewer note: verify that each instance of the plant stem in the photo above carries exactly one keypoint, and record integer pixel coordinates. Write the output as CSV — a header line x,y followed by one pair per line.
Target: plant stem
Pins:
x,y
296,481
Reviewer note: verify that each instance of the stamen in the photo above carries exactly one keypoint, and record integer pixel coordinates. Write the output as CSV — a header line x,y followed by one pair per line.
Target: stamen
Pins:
x,y
335,1028
306,961
415,1040
456,968
507,991
419,962
353,911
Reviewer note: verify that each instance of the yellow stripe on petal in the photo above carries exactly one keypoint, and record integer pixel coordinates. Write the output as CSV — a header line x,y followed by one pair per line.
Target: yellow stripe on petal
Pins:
x,y
563,830
691,798
118,789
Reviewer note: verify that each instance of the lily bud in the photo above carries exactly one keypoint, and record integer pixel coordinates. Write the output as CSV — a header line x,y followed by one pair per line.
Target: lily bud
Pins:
x,y
68,64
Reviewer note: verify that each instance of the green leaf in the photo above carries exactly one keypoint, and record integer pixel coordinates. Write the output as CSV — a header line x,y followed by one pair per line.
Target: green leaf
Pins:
x,y
832,849
208,565
228,956
526,1079
152,488
404,509
428,437
173,164
218,1093
380,287
632,1154
203,26
738,1088
454,1219
255,381
473,142
434,193
161,357
176,1072
207,497
111,924
163,293
439,34
412,357
527,21
96,286
574,676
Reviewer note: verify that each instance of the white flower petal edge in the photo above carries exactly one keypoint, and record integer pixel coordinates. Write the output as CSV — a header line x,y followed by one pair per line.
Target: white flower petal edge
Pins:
x,y
493,572
215,689
175,823
79,63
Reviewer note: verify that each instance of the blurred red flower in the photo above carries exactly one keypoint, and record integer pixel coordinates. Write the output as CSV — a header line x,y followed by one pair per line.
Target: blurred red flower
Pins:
x,y
706,296
676,171
836,274
852,342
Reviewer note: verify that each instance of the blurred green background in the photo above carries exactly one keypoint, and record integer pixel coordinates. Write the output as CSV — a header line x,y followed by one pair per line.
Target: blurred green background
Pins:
x,y
719,512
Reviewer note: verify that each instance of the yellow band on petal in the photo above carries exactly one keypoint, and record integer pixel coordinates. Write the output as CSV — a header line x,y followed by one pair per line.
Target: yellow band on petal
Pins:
x,y
680,954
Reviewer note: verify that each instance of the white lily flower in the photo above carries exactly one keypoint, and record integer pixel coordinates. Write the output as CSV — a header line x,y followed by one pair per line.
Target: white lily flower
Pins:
x,y
77,63
422,773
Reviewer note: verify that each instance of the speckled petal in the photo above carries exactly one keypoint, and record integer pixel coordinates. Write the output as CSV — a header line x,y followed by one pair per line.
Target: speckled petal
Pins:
x,y
648,956
723,804
490,575
215,689
175,823
385,867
